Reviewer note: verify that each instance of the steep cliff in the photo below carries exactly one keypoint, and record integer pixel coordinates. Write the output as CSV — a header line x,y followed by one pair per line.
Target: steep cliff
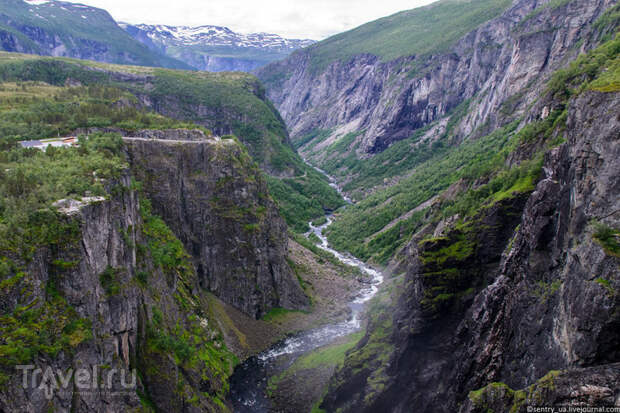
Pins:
x,y
215,200
513,301
100,287
131,98
389,78
98,281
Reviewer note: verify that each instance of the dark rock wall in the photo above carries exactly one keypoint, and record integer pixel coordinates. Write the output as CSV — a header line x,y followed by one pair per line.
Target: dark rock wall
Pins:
x,y
218,204
145,315
549,302
115,319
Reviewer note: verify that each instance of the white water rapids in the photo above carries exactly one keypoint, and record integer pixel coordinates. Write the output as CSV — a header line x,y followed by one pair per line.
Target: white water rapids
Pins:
x,y
249,381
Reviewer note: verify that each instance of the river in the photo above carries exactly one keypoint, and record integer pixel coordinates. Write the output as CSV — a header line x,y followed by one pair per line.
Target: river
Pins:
x,y
248,384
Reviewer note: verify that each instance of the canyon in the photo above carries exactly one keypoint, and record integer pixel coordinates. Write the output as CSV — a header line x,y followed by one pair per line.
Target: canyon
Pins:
x,y
422,211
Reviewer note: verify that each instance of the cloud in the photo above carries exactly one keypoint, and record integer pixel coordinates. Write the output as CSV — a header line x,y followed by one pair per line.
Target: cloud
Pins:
x,y
314,19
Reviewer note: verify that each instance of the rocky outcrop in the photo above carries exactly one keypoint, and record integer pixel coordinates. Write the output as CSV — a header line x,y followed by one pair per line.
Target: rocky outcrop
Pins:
x,y
112,313
548,302
218,204
593,387
507,57
90,298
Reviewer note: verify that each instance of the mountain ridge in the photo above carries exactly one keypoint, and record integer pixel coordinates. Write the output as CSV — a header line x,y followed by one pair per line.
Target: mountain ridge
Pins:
x,y
215,48
56,28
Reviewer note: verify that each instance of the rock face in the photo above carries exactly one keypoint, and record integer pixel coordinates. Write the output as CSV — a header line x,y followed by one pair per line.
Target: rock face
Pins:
x,y
115,312
218,205
548,302
115,291
388,101
220,63
115,321
592,387
523,293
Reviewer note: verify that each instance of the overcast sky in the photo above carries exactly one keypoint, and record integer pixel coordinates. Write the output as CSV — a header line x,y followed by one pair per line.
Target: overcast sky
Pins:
x,y
314,19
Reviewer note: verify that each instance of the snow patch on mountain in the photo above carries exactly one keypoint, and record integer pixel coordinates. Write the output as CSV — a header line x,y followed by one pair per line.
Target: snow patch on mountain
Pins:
x,y
36,2
217,36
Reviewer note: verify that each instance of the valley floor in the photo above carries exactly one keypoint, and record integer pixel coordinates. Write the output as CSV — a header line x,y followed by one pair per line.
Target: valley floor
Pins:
x,y
330,287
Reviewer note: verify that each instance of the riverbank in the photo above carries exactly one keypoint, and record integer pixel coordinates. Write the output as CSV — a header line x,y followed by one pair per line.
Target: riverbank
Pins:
x,y
329,286
249,384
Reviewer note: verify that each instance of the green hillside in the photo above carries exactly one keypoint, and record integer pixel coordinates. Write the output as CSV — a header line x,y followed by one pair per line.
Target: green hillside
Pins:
x,y
39,104
85,32
421,31
425,30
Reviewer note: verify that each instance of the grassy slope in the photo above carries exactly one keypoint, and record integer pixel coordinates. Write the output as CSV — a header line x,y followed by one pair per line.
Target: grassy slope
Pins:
x,y
421,31
226,101
65,21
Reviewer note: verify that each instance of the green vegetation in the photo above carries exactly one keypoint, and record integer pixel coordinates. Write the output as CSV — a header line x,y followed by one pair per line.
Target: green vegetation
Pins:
x,y
367,229
481,398
31,181
301,192
368,218
598,70
166,251
608,238
36,110
421,32
544,290
278,313
331,356
39,329
474,161
109,281
398,159
191,348
500,394
606,284
505,184
303,199
551,5
372,359
258,125
39,105
608,23
322,255
449,271
326,356
187,340
316,136
316,409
